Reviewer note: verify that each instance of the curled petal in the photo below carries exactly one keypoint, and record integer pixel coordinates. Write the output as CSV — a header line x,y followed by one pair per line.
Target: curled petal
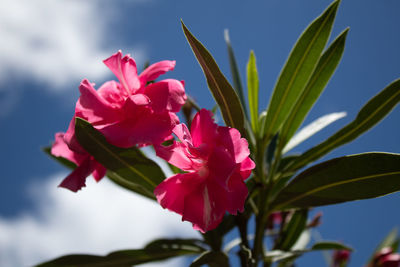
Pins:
x,y
111,92
166,95
230,138
61,149
153,71
203,129
176,154
182,132
125,70
99,171
76,180
70,139
92,107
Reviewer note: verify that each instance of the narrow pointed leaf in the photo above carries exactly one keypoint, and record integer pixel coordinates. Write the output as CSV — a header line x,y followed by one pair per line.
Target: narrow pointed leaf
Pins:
x,y
298,70
129,164
328,245
374,111
252,89
224,94
155,251
212,259
237,82
312,128
292,230
389,241
348,178
323,72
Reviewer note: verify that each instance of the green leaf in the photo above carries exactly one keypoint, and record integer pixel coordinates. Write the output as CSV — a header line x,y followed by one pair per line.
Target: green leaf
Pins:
x,y
128,184
298,70
61,160
390,240
252,89
292,230
129,164
312,128
237,83
328,245
342,179
224,94
212,259
374,111
323,72
155,251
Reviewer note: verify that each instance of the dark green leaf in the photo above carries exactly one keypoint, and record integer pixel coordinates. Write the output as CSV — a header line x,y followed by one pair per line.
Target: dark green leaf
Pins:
x,y
127,183
342,179
237,83
129,165
292,230
212,259
252,89
298,69
328,245
224,94
325,68
61,160
155,251
374,111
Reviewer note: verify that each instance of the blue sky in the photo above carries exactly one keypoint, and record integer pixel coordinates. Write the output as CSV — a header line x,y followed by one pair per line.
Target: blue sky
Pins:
x,y
48,47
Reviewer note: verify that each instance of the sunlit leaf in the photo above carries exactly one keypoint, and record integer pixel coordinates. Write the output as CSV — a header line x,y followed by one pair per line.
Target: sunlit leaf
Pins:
x,y
252,88
323,72
328,245
374,111
312,128
224,94
298,69
342,179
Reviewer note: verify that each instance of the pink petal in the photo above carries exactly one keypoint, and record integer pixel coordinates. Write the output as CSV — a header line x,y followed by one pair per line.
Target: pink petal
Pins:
x,y
221,166
176,154
166,95
111,92
146,128
246,167
70,139
125,70
230,139
203,129
99,171
76,180
153,71
61,149
94,108
182,132
237,194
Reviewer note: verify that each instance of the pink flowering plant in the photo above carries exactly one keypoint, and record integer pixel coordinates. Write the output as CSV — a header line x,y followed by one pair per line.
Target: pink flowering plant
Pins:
x,y
232,175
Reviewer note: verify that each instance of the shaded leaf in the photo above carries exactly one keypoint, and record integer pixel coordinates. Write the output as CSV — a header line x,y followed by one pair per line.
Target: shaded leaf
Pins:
x,y
342,179
212,259
328,245
237,83
61,160
374,111
298,70
312,129
323,72
292,230
154,251
252,90
129,165
224,94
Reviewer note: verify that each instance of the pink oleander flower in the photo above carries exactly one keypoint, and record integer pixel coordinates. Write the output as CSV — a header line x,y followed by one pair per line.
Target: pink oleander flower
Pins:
x,y
134,111
216,161
386,258
86,164
340,257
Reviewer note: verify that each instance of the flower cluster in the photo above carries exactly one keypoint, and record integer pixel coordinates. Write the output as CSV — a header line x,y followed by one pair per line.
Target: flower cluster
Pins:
x,y
217,162
137,111
133,111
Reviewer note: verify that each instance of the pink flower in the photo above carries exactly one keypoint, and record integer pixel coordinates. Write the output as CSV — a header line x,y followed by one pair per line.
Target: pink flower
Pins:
x,y
134,111
340,257
86,164
386,258
216,161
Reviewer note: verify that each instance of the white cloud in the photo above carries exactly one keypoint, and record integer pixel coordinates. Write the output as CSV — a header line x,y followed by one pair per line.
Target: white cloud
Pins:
x,y
98,219
55,41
